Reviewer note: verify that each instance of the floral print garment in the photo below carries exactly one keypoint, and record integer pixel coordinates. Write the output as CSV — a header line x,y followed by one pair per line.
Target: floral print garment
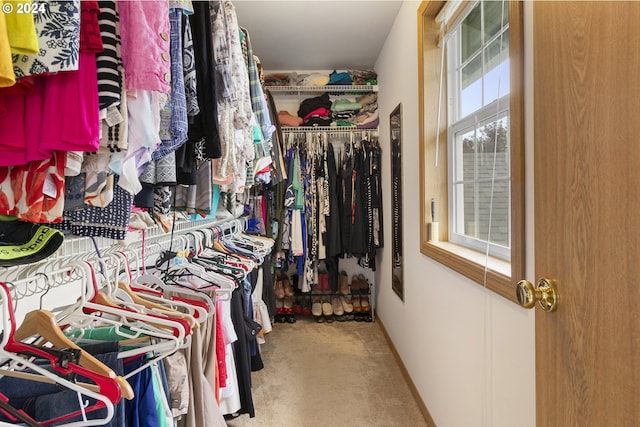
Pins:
x,y
34,192
58,29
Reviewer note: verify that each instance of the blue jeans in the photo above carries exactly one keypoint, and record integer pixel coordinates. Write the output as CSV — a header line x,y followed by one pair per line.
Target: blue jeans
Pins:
x,y
43,401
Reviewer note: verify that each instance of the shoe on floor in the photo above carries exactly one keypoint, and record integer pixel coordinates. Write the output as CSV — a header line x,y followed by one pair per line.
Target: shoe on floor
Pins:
x,y
347,306
364,304
336,305
316,307
327,310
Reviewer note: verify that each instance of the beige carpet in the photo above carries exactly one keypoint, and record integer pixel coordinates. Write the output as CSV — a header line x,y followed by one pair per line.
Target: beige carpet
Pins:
x,y
338,374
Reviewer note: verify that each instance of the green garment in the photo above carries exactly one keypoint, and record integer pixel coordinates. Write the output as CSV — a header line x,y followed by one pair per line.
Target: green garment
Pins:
x,y
297,183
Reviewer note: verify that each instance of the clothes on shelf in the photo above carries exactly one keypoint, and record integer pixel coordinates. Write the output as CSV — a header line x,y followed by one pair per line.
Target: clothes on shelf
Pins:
x,y
338,111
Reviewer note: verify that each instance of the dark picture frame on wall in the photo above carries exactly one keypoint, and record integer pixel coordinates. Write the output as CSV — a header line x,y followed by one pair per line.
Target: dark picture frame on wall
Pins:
x,y
397,279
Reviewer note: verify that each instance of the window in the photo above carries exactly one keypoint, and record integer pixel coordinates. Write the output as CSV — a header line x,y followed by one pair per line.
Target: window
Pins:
x,y
472,160
477,54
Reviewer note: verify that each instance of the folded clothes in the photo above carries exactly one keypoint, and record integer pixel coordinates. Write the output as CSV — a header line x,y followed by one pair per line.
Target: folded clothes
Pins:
x,y
322,111
364,118
367,99
310,104
288,119
315,79
369,125
345,105
276,80
342,78
318,121
343,115
361,77
369,108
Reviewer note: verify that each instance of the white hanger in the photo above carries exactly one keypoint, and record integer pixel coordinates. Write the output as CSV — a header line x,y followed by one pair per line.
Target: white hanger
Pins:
x,y
8,326
171,332
147,306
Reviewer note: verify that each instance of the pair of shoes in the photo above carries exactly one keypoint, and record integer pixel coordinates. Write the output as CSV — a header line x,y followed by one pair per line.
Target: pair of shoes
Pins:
x,y
343,283
327,310
359,284
306,306
364,284
278,288
297,306
280,316
286,285
289,317
364,303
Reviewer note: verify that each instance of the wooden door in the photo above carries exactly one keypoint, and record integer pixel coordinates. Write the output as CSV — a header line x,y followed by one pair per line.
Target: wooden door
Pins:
x,y
587,211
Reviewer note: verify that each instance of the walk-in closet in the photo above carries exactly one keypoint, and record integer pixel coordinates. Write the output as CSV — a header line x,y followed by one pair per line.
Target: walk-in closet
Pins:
x,y
191,232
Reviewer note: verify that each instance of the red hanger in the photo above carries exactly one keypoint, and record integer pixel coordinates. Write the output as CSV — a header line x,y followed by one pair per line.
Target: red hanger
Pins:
x,y
96,299
108,387
14,414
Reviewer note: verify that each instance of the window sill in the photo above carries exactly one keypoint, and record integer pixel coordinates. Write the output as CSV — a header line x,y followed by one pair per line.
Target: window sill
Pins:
x,y
474,265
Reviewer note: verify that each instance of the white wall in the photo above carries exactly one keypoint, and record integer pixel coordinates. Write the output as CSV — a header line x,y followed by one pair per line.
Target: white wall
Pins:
x,y
469,351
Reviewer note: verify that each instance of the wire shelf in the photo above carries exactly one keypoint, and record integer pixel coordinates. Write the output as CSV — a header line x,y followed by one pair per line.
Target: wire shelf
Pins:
x,y
328,88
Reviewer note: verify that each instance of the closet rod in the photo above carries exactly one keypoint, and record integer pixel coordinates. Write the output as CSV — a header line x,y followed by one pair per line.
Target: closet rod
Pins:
x,y
84,247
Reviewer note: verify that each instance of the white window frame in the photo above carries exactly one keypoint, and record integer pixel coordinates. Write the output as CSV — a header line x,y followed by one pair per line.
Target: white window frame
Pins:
x,y
491,112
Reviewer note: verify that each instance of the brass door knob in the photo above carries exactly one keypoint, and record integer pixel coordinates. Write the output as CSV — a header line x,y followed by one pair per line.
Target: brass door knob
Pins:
x,y
544,293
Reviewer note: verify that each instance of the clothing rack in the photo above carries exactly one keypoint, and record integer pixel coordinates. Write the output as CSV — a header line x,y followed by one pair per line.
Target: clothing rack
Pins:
x,y
61,268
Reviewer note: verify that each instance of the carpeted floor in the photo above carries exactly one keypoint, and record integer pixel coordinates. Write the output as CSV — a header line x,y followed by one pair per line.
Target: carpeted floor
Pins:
x,y
338,374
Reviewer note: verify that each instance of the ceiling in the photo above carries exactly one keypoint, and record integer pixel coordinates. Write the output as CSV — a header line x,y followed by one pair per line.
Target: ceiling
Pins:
x,y
317,35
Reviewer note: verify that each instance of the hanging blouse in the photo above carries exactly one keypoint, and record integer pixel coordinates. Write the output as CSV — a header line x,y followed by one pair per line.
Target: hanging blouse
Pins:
x,y
21,30
90,39
58,33
34,192
109,61
189,69
234,100
173,115
111,221
204,126
61,113
144,32
7,76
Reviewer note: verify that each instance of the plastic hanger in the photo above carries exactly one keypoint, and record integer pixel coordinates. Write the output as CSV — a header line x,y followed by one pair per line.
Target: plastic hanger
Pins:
x,y
109,390
199,302
156,323
150,305
101,303
203,304
42,323
76,317
15,414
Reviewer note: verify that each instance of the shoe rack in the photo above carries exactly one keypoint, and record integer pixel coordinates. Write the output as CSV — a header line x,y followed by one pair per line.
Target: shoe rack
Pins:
x,y
352,301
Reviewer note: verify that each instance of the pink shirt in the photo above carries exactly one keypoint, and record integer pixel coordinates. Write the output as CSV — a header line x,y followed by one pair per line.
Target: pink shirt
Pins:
x,y
144,33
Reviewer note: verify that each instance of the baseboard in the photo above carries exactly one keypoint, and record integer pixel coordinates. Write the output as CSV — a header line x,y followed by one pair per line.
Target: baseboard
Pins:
x,y
407,377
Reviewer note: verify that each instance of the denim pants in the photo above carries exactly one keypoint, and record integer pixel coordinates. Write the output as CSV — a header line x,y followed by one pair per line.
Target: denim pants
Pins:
x,y
43,401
